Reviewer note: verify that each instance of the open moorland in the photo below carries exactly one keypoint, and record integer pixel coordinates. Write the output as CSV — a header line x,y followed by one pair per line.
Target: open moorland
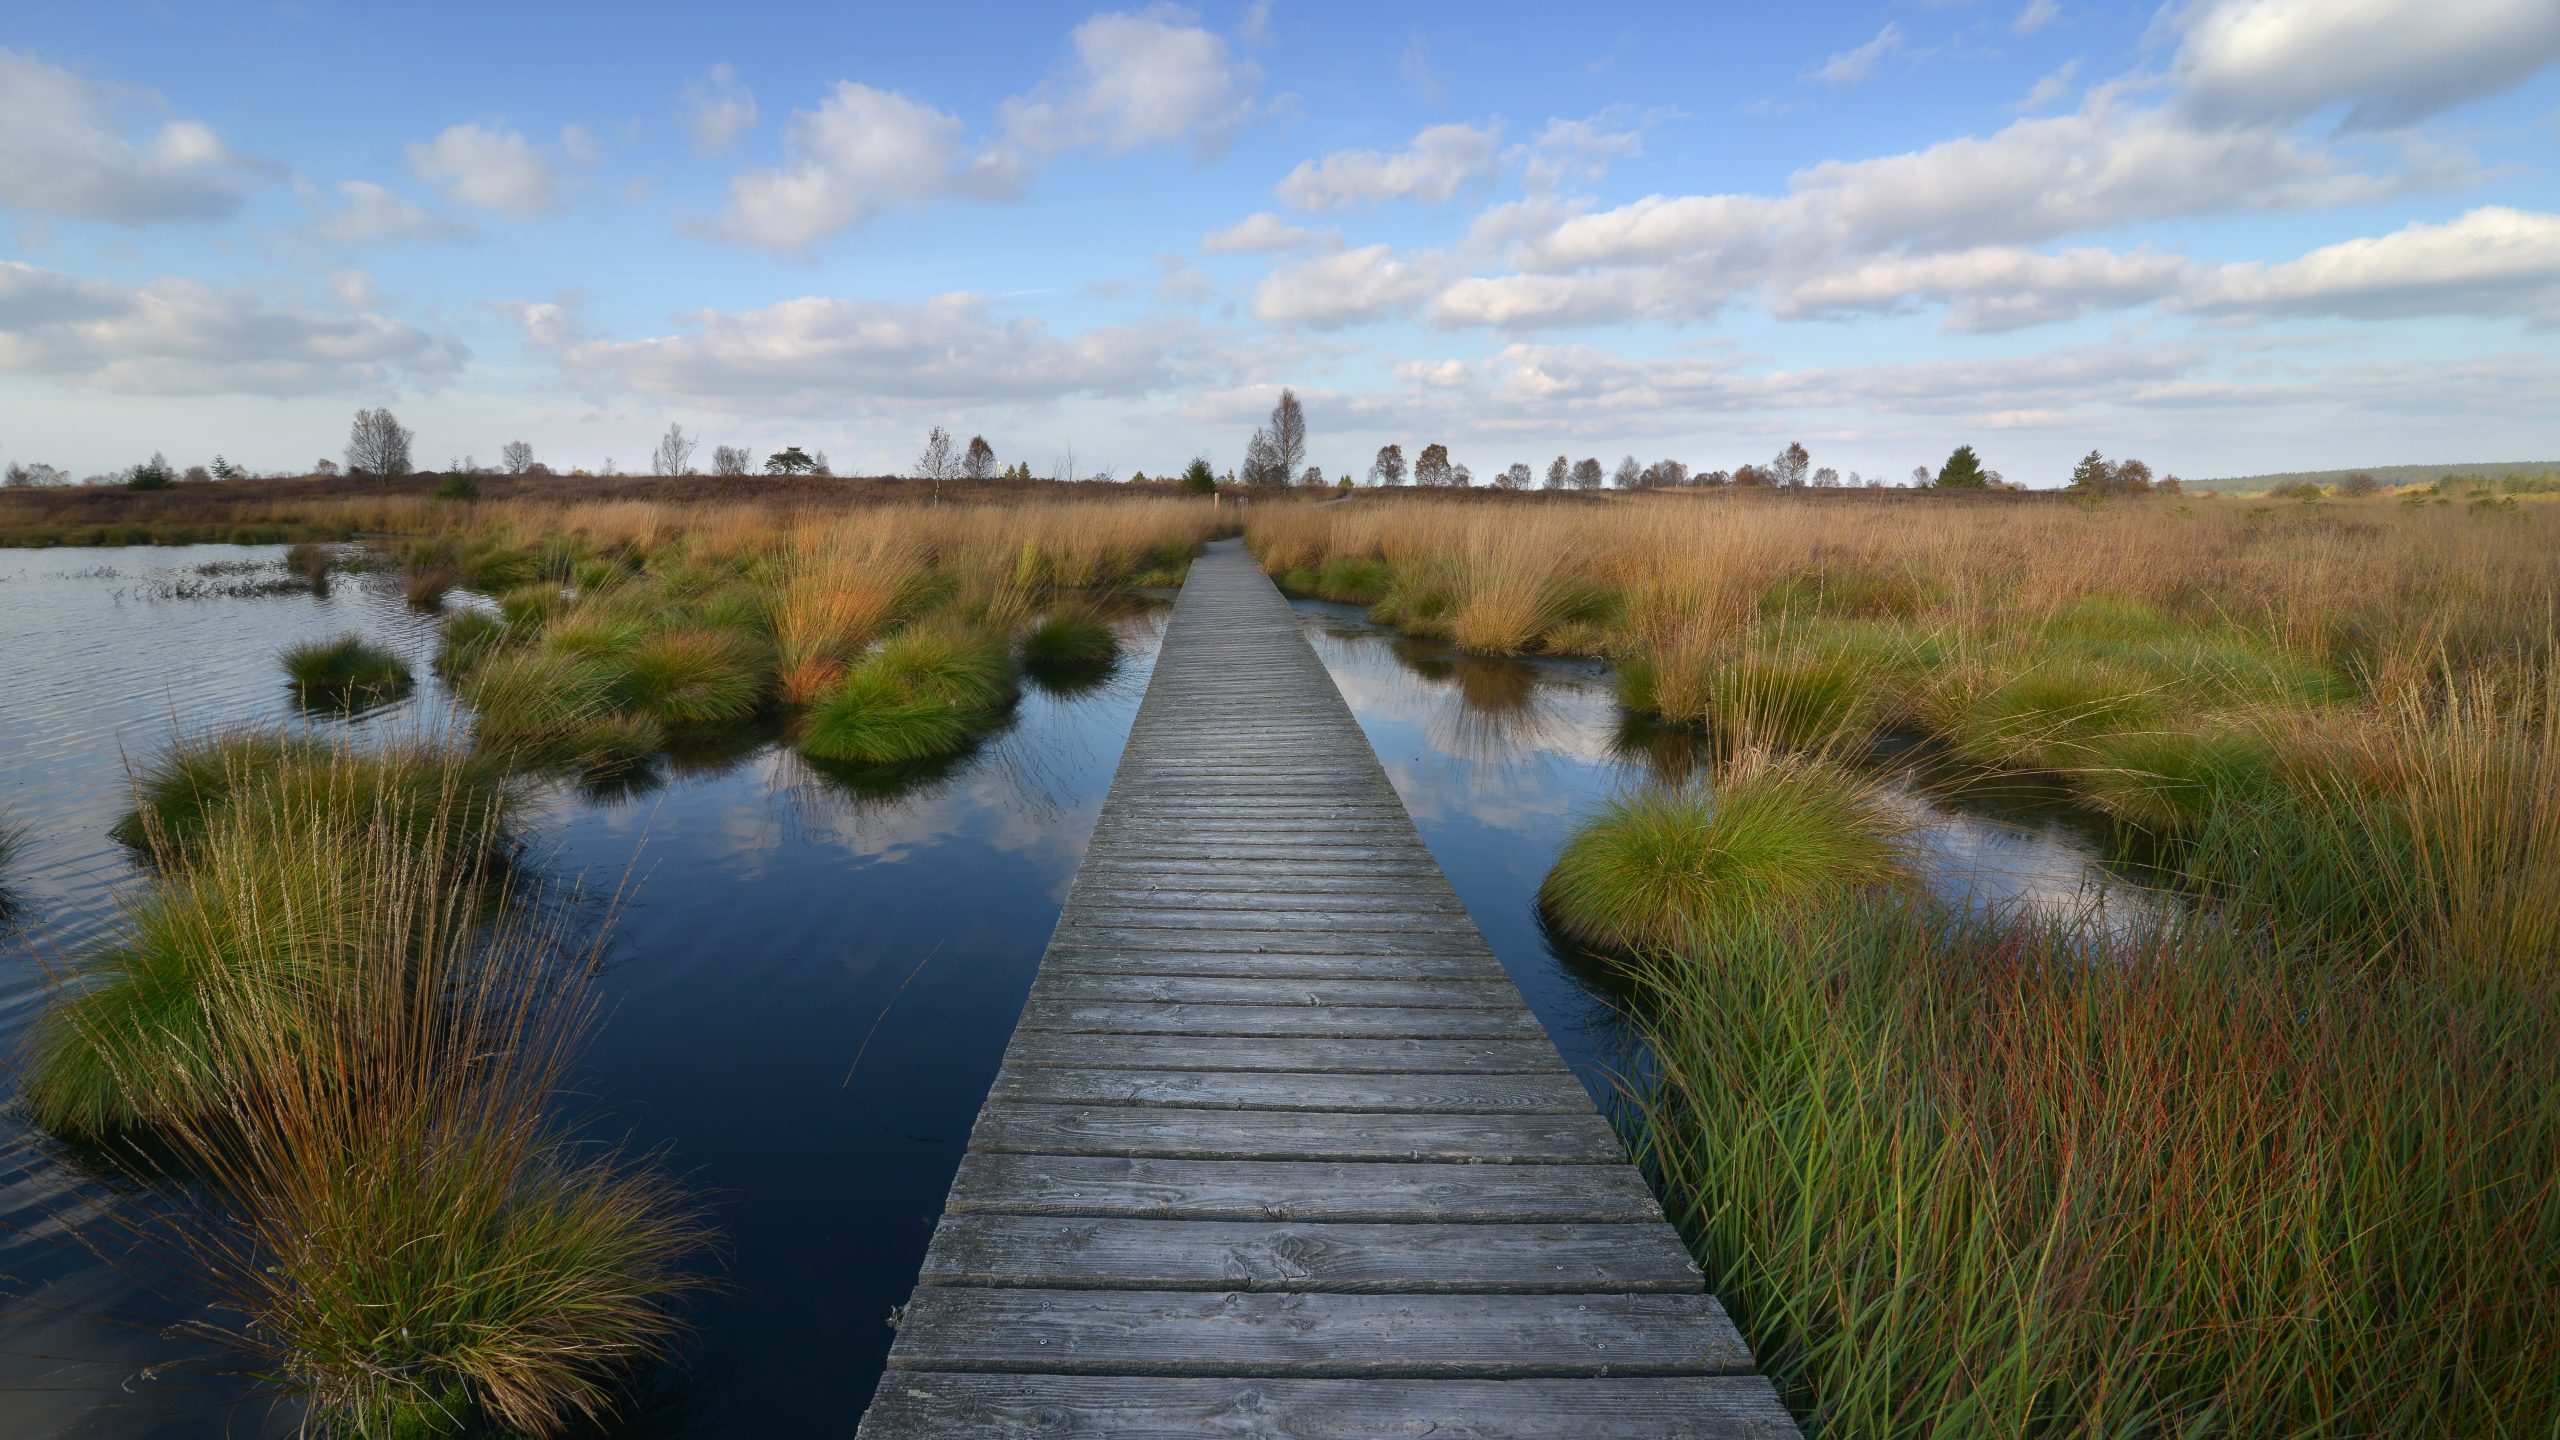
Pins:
x,y
2276,1159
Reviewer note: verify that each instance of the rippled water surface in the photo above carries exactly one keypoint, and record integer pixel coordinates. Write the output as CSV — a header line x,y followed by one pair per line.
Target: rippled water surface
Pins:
x,y
783,922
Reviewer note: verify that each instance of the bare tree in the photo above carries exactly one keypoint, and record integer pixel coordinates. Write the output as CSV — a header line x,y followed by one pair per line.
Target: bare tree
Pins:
x,y
818,463
1923,476
1388,468
674,455
324,466
1826,478
1431,467
731,459
1629,475
1289,433
1587,474
1262,464
1666,474
980,462
32,474
1714,477
1515,478
1461,476
1792,466
377,445
1313,479
936,462
1559,473
517,456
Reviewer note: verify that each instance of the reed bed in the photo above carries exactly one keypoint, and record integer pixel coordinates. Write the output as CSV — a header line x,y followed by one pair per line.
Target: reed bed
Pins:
x,y
879,637
2287,1165
349,1026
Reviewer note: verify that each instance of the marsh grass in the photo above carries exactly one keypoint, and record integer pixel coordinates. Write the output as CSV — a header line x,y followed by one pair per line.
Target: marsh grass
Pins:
x,y
391,1219
926,692
1761,836
345,672
1975,1176
1069,640
427,585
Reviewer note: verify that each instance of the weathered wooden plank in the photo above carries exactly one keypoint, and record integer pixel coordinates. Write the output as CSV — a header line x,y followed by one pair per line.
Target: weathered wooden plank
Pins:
x,y
1267,897
1384,1191
1051,1252
1302,922
1384,1021
1266,964
1551,1092
913,1405
1311,1054
1154,1333
1277,941
1171,1133
1496,994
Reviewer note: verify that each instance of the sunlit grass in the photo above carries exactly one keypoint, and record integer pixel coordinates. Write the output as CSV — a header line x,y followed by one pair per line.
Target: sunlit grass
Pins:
x,y
1764,837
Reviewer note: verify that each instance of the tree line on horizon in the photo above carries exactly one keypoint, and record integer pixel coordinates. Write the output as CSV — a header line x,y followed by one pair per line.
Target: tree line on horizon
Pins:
x,y
1275,457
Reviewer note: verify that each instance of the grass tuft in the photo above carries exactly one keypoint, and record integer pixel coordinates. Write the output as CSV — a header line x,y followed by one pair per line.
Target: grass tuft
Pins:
x,y
1766,837
1069,639
344,672
923,693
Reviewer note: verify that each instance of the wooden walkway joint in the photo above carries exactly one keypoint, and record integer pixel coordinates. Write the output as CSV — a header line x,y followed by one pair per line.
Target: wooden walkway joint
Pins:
x,y
1277,1149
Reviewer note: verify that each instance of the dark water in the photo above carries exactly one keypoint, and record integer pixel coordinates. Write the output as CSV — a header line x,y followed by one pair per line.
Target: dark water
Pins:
x,y
777,913
783,921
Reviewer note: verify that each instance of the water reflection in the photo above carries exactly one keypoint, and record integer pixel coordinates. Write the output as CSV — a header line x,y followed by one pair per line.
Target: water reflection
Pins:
x,y
1498,757
779,910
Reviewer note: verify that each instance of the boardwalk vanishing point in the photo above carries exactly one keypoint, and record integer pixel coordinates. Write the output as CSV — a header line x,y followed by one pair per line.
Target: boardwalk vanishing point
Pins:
x,y
1277,1149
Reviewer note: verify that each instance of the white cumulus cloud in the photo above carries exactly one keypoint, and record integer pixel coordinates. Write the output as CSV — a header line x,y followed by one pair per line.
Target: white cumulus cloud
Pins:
x,y
1369,283
817,351
862,151
1263,232
2387,61
1440,162
64,150
175,336
486,168
1155,78
2492,263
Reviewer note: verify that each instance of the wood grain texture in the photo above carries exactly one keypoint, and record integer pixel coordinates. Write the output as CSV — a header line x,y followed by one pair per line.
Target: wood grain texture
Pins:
x,y
1277,1149
912,1406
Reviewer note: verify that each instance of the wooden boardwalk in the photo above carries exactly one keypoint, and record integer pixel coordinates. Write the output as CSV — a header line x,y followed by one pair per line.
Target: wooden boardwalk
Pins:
x,y
1277,1150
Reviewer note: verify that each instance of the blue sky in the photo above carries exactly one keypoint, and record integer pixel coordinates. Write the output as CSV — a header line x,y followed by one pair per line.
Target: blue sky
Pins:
x,y
2224,236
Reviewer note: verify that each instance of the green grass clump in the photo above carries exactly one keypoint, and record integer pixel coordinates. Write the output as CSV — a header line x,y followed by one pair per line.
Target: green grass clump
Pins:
x,y
1069,639
2173,782
1651,867
358,1062
139,1038
693,677
925,692
532,603
2046,717
1352,579
466,638
1961,1177
179,790
1790,701
413,790
540,707
345,671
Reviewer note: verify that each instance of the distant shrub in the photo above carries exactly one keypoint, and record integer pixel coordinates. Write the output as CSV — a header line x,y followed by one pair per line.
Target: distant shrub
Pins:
x,y
458,487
